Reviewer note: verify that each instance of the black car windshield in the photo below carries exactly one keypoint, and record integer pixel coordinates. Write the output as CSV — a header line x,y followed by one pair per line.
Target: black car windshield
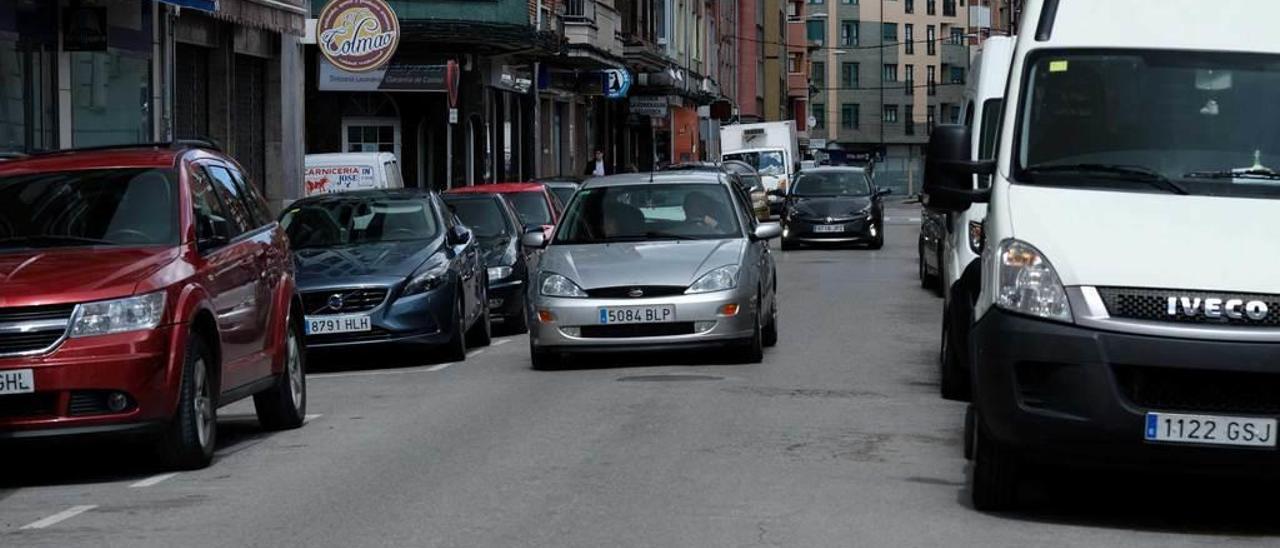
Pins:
x,y
632,213
1151,121
107,207
832,183
767,162
531,207
353,219
486,217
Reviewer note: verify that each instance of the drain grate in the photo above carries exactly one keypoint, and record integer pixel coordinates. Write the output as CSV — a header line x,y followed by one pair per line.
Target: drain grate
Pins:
x,y
669,378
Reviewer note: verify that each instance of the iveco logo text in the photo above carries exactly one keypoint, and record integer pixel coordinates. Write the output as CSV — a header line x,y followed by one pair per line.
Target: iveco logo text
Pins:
x,y
1234,309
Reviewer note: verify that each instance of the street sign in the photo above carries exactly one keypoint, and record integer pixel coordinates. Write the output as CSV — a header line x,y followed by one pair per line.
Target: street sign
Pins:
x,y
617,82
651,106
358,35
451,76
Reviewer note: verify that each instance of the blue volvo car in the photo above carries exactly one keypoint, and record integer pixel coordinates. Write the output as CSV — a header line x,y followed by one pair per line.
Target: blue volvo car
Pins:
x,y
388,268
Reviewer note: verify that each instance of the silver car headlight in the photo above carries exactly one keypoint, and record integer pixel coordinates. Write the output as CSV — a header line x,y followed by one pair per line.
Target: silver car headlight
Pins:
x,y
555,285
429,276
720,279
1026,283
118,316
499,273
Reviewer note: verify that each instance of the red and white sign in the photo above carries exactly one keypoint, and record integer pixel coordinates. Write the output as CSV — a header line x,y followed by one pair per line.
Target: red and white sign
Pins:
x,y
358,35
330,179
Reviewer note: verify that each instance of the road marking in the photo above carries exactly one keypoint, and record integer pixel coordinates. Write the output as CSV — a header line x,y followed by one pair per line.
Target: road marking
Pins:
x,y
153,480
475,353
501,342
60,516
405,371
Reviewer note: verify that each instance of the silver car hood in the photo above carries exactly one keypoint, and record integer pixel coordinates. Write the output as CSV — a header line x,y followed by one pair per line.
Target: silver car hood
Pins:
x,y
677,263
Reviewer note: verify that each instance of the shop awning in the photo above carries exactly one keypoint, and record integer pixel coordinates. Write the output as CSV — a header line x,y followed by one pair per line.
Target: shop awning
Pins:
x,y
206,5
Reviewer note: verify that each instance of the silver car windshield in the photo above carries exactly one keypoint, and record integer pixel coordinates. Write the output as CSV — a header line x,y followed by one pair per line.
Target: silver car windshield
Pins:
x,y
1151,121
649,212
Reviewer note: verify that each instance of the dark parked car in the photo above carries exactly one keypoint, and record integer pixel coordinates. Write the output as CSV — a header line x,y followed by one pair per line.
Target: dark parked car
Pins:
x,y
562,187
388,268
933,230
833,205
533,202
497,230
145,286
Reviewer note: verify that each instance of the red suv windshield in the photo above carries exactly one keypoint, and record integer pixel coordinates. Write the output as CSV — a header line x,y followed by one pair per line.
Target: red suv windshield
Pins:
x,y
123,207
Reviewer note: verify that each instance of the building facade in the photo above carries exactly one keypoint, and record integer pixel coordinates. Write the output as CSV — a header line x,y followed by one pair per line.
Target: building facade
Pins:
x,y
90,73
797,65
885,72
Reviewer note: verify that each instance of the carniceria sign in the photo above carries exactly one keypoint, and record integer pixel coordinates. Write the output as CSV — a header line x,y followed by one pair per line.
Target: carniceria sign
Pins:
x,y
358,35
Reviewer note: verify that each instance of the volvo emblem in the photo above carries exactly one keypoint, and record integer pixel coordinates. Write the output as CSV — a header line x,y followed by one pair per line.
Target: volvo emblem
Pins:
x,y
1235,309
336,302
635,293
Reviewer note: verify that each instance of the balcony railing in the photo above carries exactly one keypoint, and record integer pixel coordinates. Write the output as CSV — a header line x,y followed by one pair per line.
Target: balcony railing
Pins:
x,y
579,10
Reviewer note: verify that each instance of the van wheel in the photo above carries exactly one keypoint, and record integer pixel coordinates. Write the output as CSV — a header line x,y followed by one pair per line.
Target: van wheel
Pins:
x,y
188,442
955,378
284,405
456,349
481,333
996,473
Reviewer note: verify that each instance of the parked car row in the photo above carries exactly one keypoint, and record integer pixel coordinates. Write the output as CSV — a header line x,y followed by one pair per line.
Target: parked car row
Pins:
x,y
1080,218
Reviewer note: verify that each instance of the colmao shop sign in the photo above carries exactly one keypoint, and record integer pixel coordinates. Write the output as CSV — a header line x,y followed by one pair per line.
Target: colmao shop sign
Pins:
x,y
358,35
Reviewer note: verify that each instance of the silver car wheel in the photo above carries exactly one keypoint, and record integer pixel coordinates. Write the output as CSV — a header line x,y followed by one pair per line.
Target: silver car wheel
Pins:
x,y
202,404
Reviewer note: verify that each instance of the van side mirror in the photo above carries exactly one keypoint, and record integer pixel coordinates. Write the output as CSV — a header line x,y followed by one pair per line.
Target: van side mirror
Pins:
x,y
948,171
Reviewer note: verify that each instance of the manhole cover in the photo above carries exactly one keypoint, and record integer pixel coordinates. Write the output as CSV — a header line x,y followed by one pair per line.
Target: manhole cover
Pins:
x,y
669,378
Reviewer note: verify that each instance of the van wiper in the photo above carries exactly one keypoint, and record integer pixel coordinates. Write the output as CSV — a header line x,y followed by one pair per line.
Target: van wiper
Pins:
x,y
1252,173
1116,171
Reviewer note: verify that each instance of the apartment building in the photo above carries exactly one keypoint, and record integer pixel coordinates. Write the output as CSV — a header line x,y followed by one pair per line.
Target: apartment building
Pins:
x,y
885,72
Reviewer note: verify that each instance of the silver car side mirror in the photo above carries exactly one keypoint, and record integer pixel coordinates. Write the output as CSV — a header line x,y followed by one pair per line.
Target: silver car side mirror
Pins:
x,y
534,240
767,231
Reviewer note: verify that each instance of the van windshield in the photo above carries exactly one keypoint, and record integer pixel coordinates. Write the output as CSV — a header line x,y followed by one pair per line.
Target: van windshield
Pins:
x,y
767,162
1151,121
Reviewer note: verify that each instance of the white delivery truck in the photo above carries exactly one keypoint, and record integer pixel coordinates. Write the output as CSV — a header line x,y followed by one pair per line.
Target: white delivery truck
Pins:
x,y
348,171
1128,313
958,267
772,147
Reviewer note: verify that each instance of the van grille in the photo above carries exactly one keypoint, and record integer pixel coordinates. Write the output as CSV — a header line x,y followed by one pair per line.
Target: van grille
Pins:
x,y
1153,305
1202,390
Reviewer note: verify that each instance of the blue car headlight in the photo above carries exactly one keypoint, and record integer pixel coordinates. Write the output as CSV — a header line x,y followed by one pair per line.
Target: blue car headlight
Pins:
x,y
429,276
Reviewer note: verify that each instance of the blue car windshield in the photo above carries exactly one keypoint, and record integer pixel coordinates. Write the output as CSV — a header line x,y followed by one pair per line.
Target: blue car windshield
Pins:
x,y
338,220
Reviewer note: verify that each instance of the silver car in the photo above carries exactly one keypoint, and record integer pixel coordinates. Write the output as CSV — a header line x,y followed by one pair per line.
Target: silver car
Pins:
x,y
661,261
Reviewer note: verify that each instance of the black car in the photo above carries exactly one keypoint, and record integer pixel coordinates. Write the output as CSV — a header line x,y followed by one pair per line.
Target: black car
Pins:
x,y
562,186
388,268
833,205
497,230
933,230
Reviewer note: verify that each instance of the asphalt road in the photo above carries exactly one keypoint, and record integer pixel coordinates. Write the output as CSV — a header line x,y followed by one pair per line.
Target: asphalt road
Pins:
x,y
838,439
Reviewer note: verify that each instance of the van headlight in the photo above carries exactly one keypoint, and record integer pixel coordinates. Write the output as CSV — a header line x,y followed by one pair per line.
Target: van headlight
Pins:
x,y
1026,283
720,279
118,316
555,285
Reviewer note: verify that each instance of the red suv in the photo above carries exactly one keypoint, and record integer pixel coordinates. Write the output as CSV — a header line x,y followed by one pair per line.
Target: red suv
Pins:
x,y
142,288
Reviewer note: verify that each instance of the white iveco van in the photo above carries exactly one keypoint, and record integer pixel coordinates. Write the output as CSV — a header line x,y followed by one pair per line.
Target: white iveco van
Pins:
x,y
960,269
1129,303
